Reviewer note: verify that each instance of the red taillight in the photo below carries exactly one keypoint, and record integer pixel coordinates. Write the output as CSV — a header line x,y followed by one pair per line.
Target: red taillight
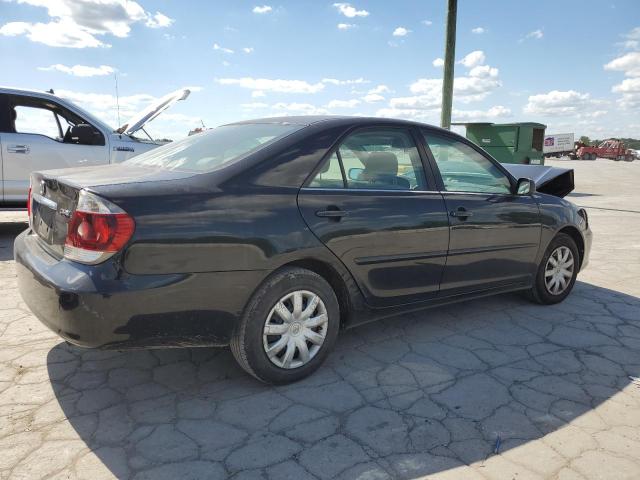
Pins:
x,y
97,230
29,203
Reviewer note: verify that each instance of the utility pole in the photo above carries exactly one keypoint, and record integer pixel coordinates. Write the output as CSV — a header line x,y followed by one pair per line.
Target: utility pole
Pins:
x,y
449,63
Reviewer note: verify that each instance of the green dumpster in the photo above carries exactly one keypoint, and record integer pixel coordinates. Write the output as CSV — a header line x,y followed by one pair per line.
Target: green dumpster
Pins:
x,y
509,142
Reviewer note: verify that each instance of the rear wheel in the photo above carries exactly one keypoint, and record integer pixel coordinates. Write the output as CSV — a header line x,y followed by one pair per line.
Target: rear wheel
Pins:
x,y
288,328
557,271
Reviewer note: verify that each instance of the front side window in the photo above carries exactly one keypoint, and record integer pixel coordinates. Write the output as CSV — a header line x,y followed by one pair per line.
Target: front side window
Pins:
x,y
463,169
214,148
377,158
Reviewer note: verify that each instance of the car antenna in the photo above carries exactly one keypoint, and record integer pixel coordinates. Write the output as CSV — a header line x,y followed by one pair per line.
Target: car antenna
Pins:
x,y
115,76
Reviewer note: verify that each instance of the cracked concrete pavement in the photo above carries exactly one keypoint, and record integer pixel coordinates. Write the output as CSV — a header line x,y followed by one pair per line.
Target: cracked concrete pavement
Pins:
x,y
423,395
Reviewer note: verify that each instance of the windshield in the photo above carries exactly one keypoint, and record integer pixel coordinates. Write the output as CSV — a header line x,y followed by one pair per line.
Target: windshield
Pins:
x,y
214,148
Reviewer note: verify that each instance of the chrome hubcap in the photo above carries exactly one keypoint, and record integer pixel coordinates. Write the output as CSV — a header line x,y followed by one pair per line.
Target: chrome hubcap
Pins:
x,y
559,270
295,329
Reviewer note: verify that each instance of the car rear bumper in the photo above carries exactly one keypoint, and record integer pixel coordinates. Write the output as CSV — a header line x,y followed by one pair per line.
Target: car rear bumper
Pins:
x,y
103,306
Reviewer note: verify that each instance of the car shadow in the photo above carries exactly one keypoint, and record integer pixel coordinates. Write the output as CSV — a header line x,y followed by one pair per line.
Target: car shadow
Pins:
x,y
400,398
8,232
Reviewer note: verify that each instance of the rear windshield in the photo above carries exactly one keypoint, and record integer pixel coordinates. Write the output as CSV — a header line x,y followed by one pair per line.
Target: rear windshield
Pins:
x,y
214,148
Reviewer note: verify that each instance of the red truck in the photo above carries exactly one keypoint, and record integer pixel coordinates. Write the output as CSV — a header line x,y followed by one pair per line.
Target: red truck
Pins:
x,y
611,148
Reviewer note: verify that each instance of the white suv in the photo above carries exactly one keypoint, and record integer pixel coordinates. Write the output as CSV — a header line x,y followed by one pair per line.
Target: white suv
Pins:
x,y
40,131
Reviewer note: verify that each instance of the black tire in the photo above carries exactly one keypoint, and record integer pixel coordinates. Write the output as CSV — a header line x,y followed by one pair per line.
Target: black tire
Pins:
x,y
539,292
247,341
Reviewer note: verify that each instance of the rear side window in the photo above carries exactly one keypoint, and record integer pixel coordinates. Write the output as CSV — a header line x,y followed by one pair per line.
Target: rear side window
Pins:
x,y
215,148
376,158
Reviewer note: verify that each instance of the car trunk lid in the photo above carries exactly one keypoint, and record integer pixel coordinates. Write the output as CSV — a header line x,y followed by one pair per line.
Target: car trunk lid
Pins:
x,y
54,194
52,205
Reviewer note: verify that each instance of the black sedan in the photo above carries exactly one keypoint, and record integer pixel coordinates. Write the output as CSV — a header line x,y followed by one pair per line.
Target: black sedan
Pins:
x,y
271,235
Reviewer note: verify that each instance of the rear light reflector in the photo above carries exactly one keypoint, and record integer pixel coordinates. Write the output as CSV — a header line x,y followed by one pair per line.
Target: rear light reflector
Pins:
x,y
97,230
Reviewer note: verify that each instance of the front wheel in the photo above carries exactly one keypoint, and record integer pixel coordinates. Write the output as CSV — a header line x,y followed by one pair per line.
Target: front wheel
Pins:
x,y
557,271
289,327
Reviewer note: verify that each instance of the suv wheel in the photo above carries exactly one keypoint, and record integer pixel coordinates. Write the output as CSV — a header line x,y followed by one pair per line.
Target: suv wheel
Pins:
x,y
289,327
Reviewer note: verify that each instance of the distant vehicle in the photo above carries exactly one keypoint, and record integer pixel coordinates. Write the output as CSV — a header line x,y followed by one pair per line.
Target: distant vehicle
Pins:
x,y
612,148
41,131
558,145
272,235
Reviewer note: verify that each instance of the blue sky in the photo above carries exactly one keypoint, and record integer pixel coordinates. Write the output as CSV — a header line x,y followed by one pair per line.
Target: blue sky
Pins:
x,y
547,61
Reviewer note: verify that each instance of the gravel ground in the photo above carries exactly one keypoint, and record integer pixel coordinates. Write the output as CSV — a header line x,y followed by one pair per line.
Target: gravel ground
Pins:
x,y
423,395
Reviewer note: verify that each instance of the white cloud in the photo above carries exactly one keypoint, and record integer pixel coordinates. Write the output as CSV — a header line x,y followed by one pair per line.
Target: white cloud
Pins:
x,y
273,85
222,49
629,88
401,32
630,44
634,34
247,49
629,64
478,30
258,94
254,105
558,103
594,114
262,9
536,34
335,81
350,11
472,59
299,108
80,70
158,20
343,103
476,85
409,114
428,23
373,97
78,24
495,112
379,89
438,62
345,26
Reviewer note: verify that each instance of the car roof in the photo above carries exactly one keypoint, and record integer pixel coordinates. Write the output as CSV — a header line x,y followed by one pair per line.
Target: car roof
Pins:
x,y
331,120
26,91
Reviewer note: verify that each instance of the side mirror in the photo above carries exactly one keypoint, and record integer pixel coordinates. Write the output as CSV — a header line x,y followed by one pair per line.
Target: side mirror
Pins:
x,y
83,134
526,186
355,173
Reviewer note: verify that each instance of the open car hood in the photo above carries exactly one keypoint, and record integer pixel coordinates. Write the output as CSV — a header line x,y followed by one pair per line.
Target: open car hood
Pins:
x,y
551,180
139,120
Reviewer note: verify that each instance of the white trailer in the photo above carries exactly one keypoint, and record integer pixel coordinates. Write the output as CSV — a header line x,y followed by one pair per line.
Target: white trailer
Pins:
x,y
556,145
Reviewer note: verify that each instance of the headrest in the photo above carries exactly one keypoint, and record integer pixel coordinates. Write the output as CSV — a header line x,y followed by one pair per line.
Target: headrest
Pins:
x,y
381,162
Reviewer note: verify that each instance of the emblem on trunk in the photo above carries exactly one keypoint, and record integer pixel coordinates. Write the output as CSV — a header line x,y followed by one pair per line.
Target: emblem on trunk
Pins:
x,y
65,212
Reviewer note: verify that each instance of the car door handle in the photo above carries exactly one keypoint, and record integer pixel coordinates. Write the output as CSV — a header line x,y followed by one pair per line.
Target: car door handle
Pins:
x,y
332,213
18,148
461,212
